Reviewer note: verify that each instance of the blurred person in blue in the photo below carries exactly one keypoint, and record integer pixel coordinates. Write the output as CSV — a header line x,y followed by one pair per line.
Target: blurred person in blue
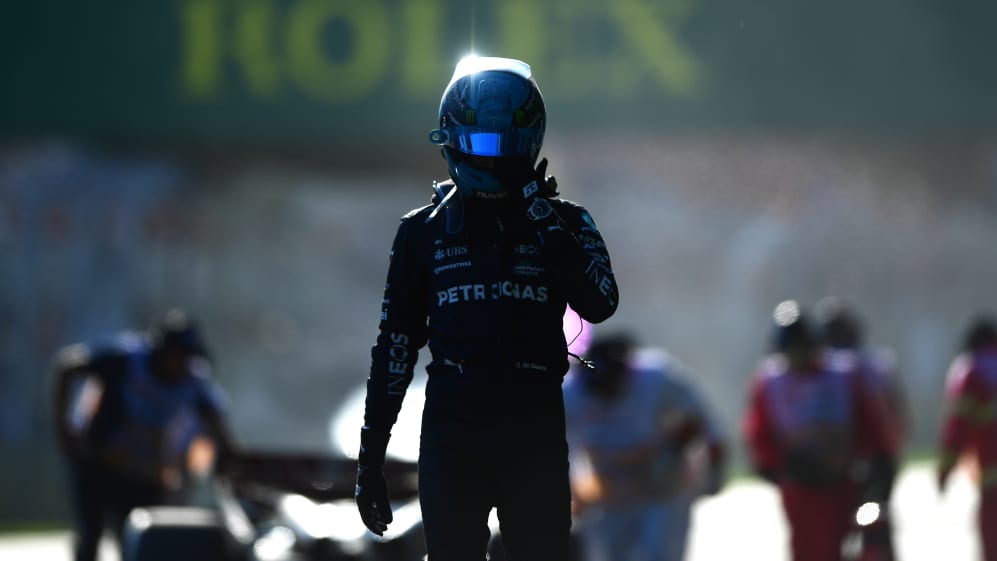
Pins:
x,y
134,417
643,445
969,424
842,332
483,275
812,429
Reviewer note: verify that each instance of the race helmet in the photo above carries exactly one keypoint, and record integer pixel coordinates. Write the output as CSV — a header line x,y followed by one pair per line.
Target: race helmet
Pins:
x,y
609,360
839,325
981,333
491,108
177,330
791,328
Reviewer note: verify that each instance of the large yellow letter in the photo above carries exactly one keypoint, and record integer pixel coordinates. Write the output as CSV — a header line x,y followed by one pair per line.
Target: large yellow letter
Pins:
x,y
657,44
200,59
253,46
334,80
206,34
424,67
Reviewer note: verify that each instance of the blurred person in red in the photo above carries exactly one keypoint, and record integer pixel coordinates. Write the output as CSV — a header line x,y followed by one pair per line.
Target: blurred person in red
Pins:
x,y
133,418
842,332
808,427
969,427
643,445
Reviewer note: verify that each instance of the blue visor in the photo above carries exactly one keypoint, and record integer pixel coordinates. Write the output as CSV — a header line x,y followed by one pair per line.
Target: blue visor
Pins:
x,y
483,141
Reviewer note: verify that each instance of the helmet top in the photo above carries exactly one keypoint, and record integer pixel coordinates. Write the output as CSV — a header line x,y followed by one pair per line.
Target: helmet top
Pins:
x,y
475,64
981,333
791,328
609,357
491,107
178,330
839,324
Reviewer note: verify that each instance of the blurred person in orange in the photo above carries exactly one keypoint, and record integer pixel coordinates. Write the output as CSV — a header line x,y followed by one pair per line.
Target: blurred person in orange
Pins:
x,y
809,428
643,448
132,415
969,426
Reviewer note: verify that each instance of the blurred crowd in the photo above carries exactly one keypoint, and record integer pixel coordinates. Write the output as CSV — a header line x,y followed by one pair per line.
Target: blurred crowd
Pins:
x,y
139,418
826,424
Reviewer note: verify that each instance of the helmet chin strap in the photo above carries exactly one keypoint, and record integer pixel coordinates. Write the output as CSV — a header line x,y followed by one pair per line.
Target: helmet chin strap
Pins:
x,y
474,182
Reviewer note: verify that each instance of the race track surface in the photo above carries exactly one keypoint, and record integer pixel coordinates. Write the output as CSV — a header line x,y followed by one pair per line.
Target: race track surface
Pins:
x,y
743,522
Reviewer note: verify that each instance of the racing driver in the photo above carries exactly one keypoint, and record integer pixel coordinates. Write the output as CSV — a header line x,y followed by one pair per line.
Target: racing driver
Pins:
x,y
483,274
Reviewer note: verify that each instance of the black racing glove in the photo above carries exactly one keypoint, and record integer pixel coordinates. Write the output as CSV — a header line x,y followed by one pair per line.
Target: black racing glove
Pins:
x,y
531,187
372,489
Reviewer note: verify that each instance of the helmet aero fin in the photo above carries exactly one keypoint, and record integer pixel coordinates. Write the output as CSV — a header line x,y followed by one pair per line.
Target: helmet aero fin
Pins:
x,y
491,108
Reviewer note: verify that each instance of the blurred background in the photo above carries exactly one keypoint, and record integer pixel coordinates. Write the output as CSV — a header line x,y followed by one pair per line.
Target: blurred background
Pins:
x,y
249,160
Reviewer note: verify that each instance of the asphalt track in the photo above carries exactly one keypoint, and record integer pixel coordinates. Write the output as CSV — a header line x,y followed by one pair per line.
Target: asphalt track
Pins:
x,y
743,522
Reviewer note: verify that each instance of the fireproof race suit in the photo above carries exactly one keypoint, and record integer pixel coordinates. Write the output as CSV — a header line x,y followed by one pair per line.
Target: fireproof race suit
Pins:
x,y
970,427
805,431
489,300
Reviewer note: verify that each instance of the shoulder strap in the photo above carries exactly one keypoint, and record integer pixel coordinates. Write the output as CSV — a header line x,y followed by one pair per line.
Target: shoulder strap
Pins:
x,y
447,197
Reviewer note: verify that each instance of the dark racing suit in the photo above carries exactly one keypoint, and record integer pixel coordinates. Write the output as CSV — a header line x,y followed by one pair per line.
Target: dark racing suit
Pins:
x,y
489,301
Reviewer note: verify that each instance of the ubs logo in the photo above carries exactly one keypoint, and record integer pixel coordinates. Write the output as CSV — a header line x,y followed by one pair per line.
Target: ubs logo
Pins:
x,y
455,251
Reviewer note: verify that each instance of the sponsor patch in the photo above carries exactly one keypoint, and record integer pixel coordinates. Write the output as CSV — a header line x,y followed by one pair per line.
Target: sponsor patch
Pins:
x,y
495,291
451,266
454,251
528,270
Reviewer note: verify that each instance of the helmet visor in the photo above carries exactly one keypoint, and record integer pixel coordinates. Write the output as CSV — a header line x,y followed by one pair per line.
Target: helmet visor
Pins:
x,y
485,141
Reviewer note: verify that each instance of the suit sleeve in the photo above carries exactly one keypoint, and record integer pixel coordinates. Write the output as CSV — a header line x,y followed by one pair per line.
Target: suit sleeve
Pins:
x,y
402,331
677,391
875,434
82,407
760,435
710,430
964,402
577,253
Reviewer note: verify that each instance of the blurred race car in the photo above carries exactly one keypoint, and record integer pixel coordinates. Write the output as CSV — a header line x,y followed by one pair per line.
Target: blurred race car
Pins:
x,y
289,506
278,506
